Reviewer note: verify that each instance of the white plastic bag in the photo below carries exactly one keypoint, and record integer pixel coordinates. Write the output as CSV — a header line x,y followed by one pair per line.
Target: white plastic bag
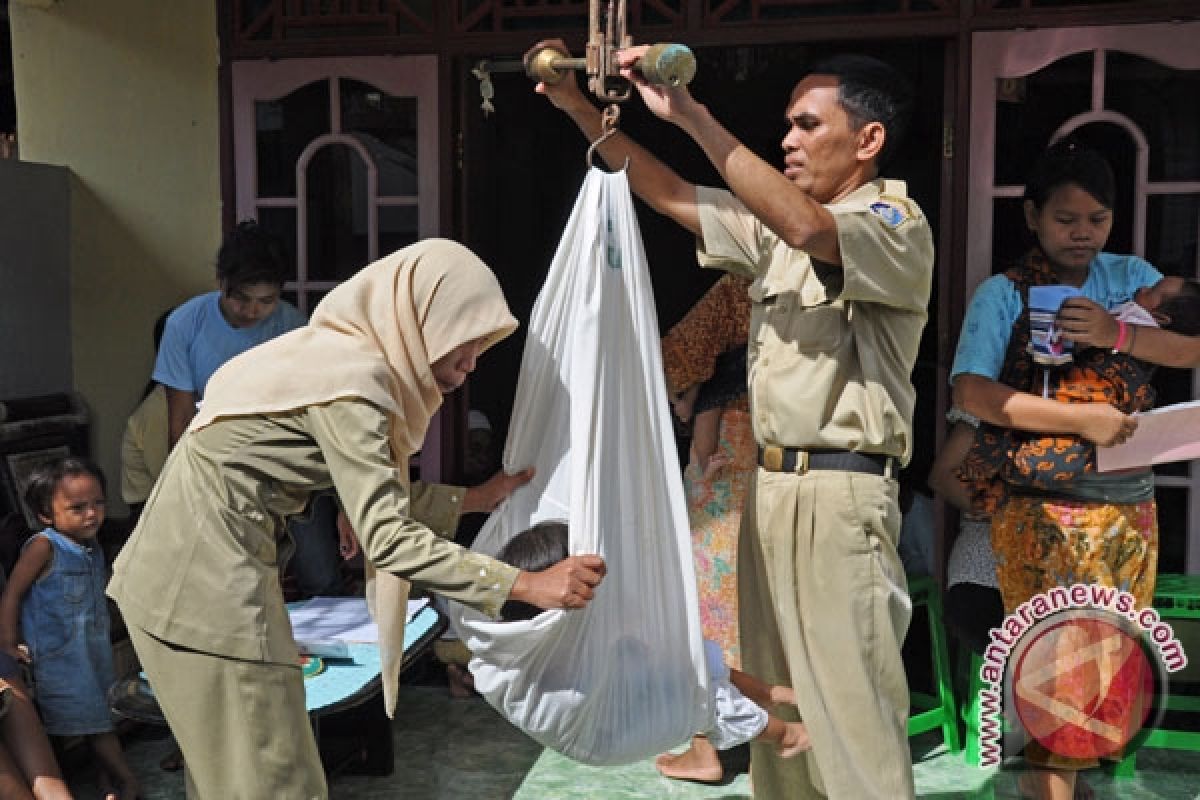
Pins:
x,y
625,678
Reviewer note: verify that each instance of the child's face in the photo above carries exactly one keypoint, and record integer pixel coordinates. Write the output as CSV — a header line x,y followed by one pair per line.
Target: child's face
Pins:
x,y
1071,227
77,507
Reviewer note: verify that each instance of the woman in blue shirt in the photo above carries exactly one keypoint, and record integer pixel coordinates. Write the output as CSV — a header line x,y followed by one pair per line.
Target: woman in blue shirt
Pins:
x,y
1058,522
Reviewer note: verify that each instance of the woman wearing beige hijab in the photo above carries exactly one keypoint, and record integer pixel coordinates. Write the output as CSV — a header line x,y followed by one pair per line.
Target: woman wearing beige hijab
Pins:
x,y
340,403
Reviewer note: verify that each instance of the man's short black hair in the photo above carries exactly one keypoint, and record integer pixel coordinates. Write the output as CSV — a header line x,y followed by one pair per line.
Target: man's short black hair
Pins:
x,y
872,91
250,254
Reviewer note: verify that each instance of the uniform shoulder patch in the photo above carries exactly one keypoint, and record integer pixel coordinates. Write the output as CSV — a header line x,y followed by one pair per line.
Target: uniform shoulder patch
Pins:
x,y
891,213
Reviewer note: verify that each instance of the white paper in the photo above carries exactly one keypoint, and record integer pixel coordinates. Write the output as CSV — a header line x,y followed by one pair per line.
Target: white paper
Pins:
x,y
340,618
1170,433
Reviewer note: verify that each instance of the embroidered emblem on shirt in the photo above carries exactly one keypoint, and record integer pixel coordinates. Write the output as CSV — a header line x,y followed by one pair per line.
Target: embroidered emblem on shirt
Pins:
x,y
890,214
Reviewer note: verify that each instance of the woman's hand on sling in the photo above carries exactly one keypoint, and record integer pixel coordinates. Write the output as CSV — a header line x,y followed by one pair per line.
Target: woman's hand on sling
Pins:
x,y
571,583
489,494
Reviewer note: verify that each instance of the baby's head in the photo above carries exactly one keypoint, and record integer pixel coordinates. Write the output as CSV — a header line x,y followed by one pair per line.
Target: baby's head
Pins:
x,y
533,550
1174,302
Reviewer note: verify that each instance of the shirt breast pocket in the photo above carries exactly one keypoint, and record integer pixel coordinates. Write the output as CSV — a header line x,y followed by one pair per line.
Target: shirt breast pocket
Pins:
x,y
783,319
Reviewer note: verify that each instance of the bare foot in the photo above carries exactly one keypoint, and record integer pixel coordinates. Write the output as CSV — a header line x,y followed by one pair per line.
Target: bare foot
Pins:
x,y
698,763
795,740
461,682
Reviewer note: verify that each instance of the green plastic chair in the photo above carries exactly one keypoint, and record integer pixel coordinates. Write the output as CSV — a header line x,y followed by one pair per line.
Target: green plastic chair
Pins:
x,y
1175,597
929,711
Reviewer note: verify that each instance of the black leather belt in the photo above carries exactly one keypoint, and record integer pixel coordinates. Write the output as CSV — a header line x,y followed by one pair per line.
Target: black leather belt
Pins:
x,y
793,459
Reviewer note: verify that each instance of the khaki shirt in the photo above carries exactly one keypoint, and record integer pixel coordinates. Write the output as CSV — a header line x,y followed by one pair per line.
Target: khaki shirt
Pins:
x,y
144,446
831,349
202,568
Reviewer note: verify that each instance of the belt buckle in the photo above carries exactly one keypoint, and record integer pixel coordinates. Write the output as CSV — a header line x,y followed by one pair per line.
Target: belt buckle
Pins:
x,y
772,458
801,462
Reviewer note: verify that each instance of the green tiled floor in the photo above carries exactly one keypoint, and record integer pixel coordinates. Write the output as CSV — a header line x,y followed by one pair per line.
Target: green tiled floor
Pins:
x,y
448,749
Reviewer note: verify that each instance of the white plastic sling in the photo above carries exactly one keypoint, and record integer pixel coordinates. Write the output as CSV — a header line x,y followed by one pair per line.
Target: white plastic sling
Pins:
x,y
625,678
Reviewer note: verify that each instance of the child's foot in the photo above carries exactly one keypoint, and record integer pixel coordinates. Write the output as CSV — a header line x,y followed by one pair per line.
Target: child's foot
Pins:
x,y
690,766
795,740
460,681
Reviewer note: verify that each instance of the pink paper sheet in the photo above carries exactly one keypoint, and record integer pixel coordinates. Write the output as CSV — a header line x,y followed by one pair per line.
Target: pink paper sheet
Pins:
x,y
1170,433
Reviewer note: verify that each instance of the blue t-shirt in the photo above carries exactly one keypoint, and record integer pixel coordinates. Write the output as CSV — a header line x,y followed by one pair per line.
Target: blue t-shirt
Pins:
x,y
987,327
198,339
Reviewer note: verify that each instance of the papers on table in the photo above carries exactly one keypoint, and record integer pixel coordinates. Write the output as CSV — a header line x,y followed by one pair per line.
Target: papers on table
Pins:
x,y
323,625
1170,433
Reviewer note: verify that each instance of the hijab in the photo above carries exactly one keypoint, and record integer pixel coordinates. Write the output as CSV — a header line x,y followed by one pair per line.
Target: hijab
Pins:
x,y
373,337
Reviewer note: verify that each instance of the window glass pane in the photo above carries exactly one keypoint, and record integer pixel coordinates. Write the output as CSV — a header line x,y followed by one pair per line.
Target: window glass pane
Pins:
x,y
313,297
1161,102
282,223
397,228
283,128
337,213
387,127
1172,228
1058,92
1010,235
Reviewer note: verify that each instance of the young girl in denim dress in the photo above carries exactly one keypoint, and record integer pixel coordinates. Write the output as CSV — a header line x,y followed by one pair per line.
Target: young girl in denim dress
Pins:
x,y
57,588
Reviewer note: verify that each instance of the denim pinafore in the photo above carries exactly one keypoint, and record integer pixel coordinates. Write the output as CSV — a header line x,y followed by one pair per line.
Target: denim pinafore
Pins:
x,y
64,620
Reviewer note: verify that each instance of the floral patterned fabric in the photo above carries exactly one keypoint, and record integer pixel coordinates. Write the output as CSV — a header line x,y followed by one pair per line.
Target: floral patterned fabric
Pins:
x,y
716,327
715,515
1040,544
717,323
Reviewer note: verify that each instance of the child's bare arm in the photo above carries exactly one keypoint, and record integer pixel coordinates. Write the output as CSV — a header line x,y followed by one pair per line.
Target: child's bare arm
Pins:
x,y
761,692
33,561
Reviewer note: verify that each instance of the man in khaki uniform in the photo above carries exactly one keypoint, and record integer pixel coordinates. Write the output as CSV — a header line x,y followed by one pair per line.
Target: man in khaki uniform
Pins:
x,y
842,262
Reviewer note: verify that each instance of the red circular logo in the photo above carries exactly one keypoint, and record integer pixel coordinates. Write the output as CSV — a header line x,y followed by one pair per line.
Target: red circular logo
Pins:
x,y
1083,687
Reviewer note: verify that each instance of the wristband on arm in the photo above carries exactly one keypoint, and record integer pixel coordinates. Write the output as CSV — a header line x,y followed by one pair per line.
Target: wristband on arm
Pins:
x,y
1122,332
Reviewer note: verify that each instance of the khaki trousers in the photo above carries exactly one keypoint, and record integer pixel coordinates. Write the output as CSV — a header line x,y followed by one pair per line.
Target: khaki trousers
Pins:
x,y
824,607
241,725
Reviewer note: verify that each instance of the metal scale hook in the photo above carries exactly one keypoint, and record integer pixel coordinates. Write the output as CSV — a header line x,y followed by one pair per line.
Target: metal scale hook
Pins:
x,y
608,128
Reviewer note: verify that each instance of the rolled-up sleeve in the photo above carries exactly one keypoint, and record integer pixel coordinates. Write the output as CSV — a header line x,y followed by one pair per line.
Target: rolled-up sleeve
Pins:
x,y
353,437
